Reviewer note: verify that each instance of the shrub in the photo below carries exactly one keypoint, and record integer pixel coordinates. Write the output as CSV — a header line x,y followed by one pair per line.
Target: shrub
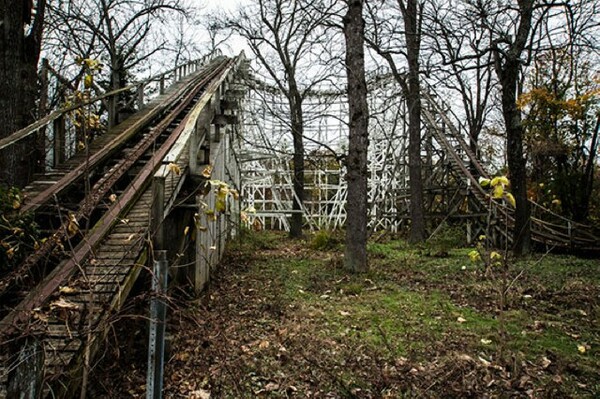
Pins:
x,y
18,231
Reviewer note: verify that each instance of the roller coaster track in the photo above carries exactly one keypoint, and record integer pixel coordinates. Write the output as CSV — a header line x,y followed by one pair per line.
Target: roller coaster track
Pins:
x,y
95,210
548,229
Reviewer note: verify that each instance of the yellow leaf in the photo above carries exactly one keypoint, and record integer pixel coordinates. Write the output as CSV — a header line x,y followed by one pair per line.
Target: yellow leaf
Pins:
x,y
510,199
72,226
498,191
482,237
16,203
556,202
474,255
581,349
221,204
483,182
499,181
223,190
173,167
186,230
207,172
461,320
485,341
88,81
10,253
495,255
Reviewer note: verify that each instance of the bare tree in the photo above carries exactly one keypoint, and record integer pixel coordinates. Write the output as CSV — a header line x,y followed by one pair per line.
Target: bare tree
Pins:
x,y
356,207
462,64
20,43
121,33
285,36
390,40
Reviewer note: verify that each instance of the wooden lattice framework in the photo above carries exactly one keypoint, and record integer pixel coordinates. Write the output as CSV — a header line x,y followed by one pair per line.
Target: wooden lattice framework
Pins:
x,y
266,162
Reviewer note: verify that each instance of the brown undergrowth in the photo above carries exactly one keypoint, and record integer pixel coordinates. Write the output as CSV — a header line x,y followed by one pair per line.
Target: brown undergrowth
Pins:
x,y
283,319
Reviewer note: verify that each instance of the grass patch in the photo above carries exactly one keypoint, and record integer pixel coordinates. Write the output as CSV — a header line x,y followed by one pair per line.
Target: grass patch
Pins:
x,y
416,324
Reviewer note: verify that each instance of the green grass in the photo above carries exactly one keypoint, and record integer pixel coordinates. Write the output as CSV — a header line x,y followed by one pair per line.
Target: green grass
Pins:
x,y
411,304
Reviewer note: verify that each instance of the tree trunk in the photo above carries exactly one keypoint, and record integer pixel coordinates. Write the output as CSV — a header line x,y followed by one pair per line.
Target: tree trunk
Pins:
x,y
18,86
417,214
298,180
516,167
507,65
356,207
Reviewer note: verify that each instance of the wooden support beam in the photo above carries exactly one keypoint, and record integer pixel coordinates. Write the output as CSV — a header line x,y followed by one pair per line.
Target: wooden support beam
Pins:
x,y
157,214
26,377
201,272
59,140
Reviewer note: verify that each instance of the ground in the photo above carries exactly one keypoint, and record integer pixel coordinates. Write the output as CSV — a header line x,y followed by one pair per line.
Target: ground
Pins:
x,y
282,318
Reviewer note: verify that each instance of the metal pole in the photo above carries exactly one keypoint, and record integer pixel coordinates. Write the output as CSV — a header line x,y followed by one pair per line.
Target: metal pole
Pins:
x,y
158,313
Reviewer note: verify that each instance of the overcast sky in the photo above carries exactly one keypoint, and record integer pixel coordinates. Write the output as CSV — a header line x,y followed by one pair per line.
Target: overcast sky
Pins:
x,y
236,43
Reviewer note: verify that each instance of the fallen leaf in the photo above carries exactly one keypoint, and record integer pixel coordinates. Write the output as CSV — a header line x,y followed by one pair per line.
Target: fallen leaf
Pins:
x,y
200,394
264,344
461,319
344,313
581,348
67,290
61,303
112,197
546,362
486,341
271,386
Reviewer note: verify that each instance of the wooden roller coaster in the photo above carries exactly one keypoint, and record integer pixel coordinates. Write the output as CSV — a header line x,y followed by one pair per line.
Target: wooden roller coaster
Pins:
x,y
101,212
549,230
103,215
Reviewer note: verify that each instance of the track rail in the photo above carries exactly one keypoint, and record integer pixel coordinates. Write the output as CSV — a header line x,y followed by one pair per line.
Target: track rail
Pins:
x,y
108,257
177,103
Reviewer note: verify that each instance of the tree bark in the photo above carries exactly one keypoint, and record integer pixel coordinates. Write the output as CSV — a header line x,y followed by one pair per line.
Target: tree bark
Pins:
x,y
18,86
410,14
297,124
507,65
356,207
